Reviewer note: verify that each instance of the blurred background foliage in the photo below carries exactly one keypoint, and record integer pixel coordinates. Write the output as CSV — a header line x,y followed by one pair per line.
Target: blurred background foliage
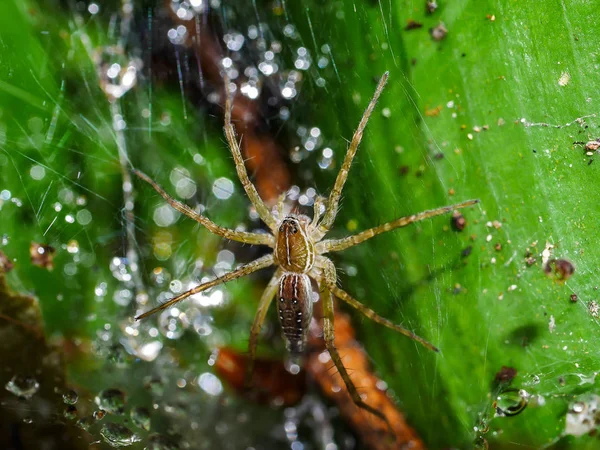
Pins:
x,y
491,100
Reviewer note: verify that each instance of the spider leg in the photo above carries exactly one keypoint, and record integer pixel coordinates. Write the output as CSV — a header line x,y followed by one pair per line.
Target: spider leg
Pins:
x,y
259,318
331,278
317,212
240,168
329,336
281,205
246,269
336,245
239,236
336,192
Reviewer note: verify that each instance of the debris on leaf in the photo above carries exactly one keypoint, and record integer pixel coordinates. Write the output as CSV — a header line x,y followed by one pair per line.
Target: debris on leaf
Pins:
x,y
592,146
583,415
6,264
563,269
430,7
458,221
505,375
594,308
42,255
438,33
413,25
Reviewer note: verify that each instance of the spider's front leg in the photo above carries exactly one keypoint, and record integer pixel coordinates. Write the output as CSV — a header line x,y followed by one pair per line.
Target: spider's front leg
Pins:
x,y
329,336
262,210
336,191
317,213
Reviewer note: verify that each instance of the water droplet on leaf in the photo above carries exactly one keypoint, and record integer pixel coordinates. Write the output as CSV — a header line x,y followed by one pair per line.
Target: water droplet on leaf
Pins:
x,y
111,400
141,417
511,402
22,386
70,397
117,435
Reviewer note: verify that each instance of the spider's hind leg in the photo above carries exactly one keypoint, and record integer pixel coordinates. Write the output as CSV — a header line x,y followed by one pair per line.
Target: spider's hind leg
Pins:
x,y
329,336
330,280
259,318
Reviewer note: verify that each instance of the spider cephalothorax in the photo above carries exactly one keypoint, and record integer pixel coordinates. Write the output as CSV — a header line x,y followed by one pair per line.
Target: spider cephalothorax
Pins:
x,y
298,252
294,247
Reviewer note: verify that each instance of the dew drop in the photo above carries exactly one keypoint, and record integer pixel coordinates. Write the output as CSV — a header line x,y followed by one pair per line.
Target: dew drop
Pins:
x,y
160,276
22,386
120,269
210,384
511,402
70,397
111,400
202,324
85,422
117,435
171,323
223,188
141,418
70,412
155,385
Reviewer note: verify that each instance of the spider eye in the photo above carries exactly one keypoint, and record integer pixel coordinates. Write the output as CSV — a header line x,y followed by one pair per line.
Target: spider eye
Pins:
x,y
294,230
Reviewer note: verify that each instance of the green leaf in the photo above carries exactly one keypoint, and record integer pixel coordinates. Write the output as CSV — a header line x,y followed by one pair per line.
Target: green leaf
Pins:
x,y
492,112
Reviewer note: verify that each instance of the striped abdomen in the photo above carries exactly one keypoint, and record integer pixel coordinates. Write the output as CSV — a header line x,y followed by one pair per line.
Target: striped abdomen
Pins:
x,y
295,309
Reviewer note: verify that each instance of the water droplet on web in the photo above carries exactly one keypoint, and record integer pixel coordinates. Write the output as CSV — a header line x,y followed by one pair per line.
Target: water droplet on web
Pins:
x,y
210,384
290,31
70,397
111,400
85,422
303,60
172,323
155,384
117,435
120,269
223,188
37,172
511,402
117,74
123,297
234,41
202,324
160,276
22,386
175,286
165,216
141,418
326,159
70,412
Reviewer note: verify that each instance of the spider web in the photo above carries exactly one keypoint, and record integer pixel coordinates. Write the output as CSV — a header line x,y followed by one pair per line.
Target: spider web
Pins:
x,y
132,89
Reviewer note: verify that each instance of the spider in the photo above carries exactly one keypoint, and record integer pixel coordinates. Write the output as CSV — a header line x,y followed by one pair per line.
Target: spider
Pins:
x,y
298,254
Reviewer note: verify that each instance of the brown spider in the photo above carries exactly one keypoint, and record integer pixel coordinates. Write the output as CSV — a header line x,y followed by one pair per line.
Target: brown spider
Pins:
x,y
298,249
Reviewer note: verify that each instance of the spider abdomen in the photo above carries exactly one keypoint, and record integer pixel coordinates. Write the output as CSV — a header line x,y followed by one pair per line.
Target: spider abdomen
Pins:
x,y
295,309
